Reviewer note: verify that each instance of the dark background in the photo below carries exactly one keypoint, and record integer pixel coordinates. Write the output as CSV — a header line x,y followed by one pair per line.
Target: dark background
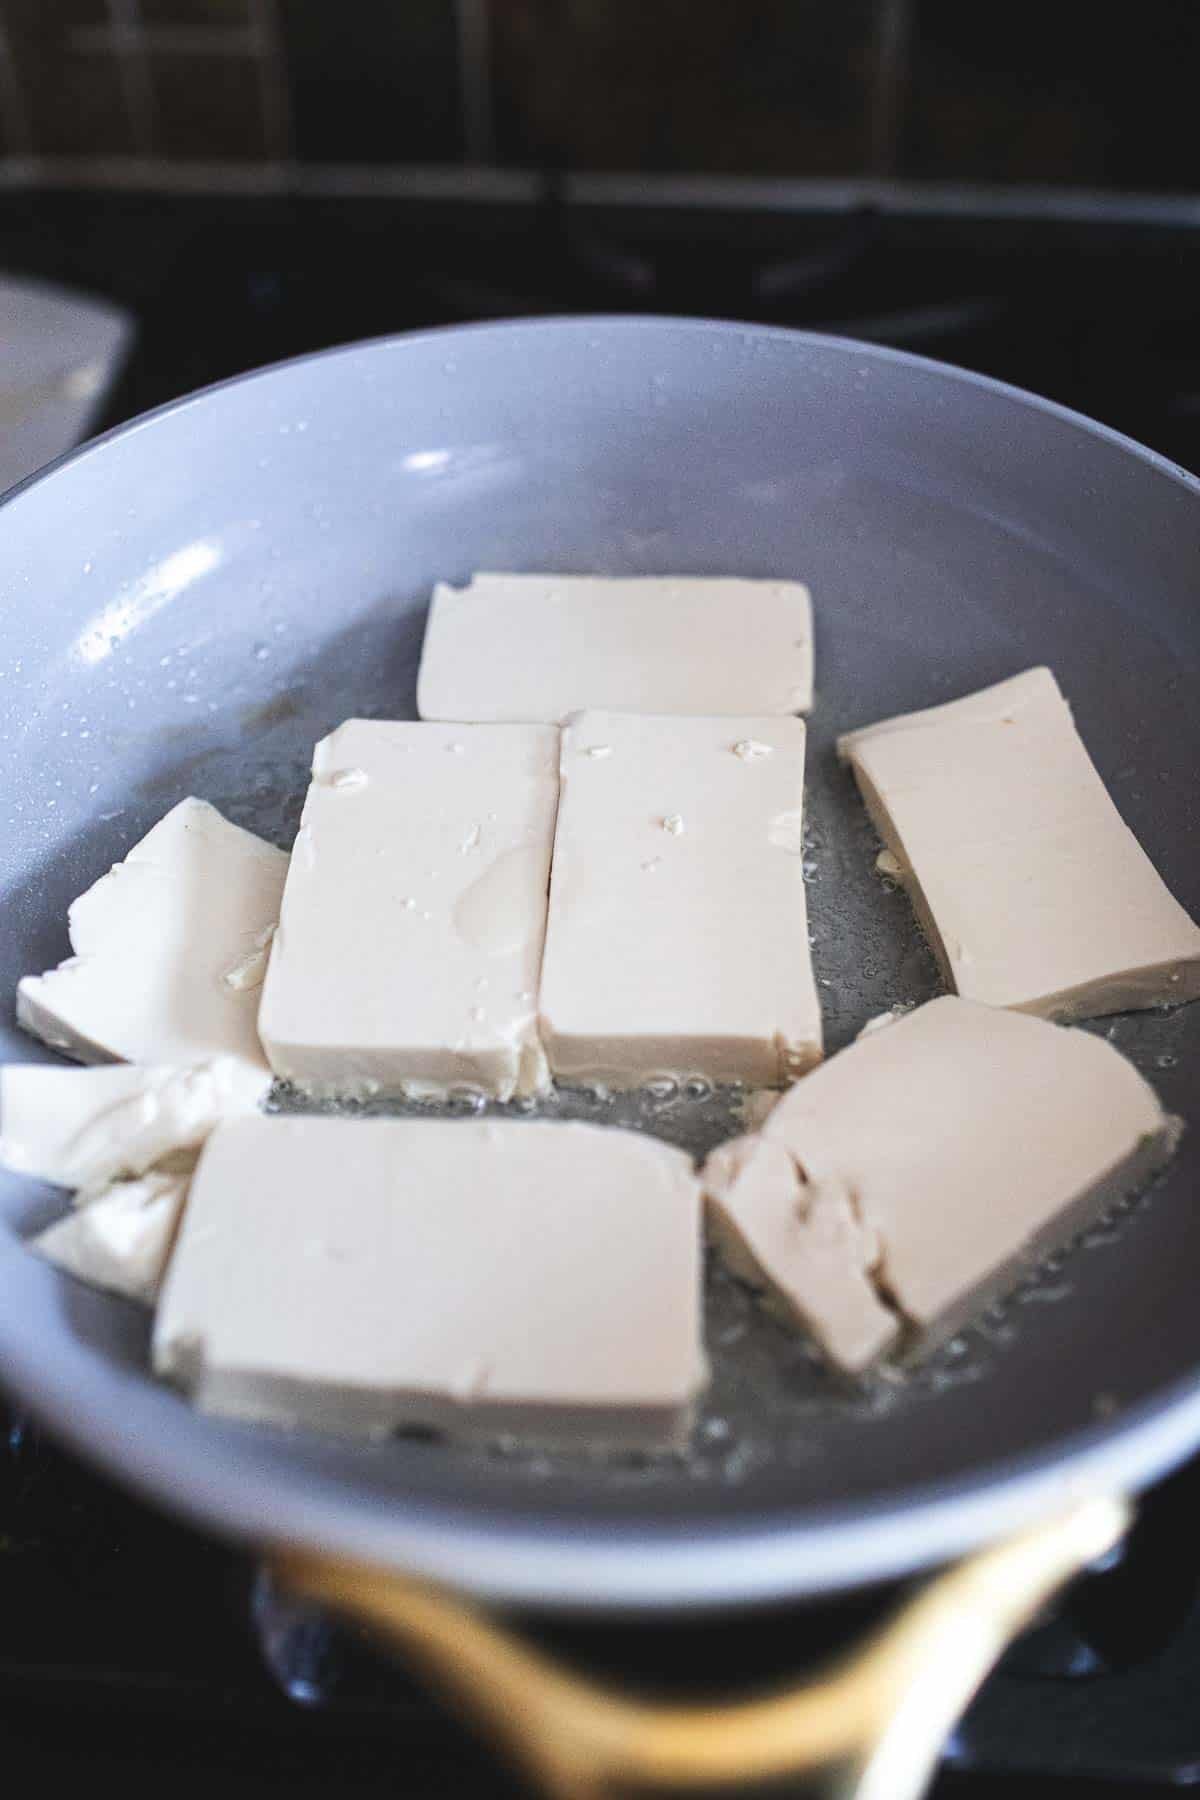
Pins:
x,y
1058,91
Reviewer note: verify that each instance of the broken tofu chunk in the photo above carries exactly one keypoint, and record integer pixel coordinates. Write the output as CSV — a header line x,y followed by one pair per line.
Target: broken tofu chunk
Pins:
x,y
170,948
121,1239
1031,889
905,1182
83,1128
478,1276
805,1243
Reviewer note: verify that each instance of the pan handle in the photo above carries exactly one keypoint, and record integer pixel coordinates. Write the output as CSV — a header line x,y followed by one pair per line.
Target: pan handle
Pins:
x,y
872,1725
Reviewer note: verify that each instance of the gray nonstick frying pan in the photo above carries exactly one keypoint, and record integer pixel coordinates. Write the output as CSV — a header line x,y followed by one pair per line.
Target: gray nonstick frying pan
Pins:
x,y
189,602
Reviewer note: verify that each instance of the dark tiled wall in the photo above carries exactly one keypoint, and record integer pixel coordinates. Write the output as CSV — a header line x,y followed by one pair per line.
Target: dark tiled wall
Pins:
x,y
1056,90
763,85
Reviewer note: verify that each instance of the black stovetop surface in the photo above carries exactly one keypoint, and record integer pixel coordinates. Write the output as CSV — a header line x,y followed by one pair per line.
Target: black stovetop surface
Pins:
x,y
133,1648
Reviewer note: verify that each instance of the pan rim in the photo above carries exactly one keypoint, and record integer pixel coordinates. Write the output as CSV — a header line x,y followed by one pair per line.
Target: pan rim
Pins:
x,y
633,322
593,1562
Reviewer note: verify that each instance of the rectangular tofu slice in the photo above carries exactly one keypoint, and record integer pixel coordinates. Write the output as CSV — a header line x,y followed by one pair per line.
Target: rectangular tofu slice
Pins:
x,y
83,1128
169,949
677,941
122,1238
479,1276
904,1183
411,934
1033,892
538,647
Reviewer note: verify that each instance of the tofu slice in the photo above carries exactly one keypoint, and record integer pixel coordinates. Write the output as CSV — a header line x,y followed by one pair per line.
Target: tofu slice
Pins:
x,y
122,1238
539,647
1031,889
678,938
906,1181
479,1276
410,942
169,949
84,1128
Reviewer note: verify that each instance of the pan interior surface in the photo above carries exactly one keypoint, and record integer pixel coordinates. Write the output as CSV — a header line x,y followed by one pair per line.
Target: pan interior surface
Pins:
x,y
193,601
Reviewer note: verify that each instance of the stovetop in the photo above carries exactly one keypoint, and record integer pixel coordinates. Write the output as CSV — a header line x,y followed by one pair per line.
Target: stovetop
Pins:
x,y
129,1645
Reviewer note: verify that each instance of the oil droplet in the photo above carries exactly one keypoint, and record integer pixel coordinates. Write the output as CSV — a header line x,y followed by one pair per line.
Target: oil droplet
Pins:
x,y
466,1099
470,842
348,779
596,751
750,750
673,824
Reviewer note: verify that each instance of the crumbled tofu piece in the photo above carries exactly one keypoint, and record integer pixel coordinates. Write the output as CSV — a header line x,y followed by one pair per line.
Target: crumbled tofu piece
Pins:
x,y
410,941
805,1243
539,647
931,1160
677,940
161,945
1030,887
84,1128
122,1238
478,1276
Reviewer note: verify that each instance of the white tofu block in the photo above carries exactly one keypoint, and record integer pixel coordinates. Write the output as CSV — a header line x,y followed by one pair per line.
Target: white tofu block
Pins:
x,y
905,1182
677,940
479,1276
411,933
122,1238
169,949
1030,887
538,647
83,1128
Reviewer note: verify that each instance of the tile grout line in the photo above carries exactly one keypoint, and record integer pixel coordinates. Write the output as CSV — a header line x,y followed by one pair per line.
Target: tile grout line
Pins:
x,y
125,19
274,94
475,81
14,114
889,85
178,40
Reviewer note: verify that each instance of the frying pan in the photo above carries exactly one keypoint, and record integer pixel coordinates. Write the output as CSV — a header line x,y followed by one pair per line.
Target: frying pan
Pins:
x,y
192,600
